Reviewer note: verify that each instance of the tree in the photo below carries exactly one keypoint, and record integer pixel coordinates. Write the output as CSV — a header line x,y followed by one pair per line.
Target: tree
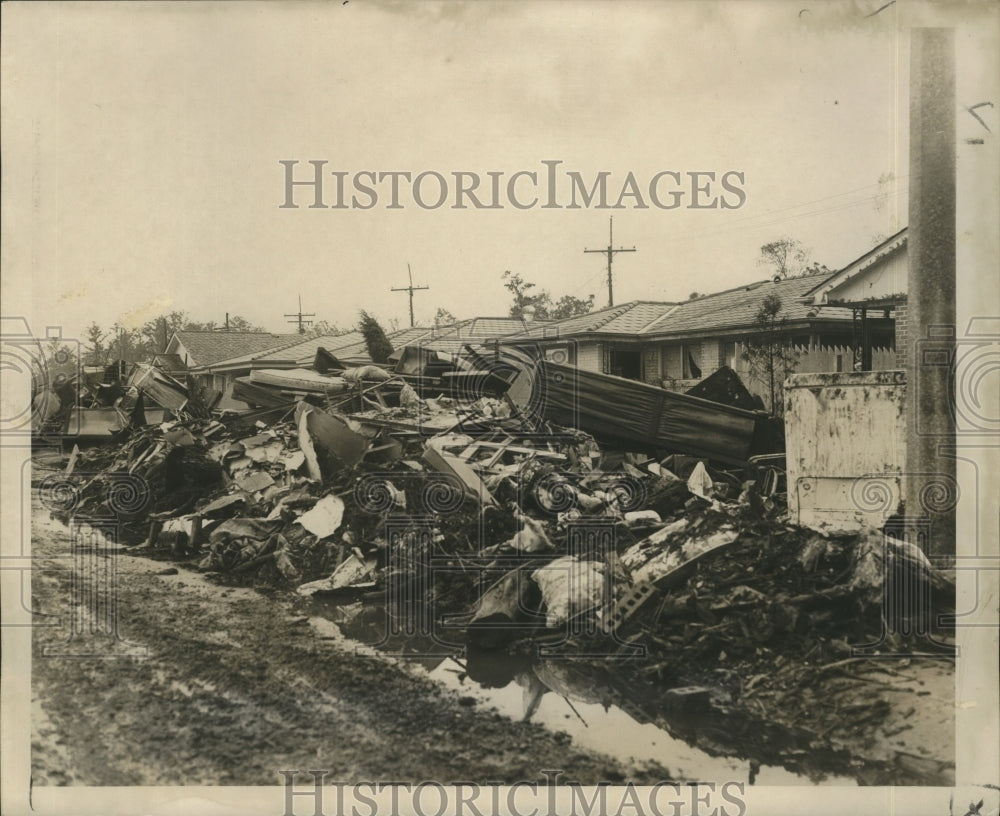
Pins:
x,y
442,317
519,288
570,306
816,268
94,335
127,345
785,255
325,327
241,324
694,295
768,351
378,345
157,332
541,301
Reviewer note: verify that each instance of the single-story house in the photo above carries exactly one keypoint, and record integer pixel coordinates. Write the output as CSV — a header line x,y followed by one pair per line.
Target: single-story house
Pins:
x,y
199,350
872,286
675,345
298,351
195,353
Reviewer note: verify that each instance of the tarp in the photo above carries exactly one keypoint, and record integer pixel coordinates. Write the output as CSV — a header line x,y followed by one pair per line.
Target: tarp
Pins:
x,y
725,386
625,411
325,361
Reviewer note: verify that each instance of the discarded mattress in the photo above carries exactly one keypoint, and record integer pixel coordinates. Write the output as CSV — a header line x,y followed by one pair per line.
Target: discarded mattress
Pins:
x,y
297,379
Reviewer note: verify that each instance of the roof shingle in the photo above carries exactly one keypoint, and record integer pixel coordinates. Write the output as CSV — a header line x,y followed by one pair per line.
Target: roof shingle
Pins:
x,y
736,308
208,347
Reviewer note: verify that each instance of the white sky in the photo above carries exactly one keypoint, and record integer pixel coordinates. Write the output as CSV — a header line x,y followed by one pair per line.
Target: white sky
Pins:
x,y
141,148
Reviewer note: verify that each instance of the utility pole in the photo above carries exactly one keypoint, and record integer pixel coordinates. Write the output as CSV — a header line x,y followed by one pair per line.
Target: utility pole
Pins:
x,y
930,332
610,251
297,318
411,289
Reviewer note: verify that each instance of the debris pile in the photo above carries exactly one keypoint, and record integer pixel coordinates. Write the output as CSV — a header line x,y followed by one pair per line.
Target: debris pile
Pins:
x,y
429,522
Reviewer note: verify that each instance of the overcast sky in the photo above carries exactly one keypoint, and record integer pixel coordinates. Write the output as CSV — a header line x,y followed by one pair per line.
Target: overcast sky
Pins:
x,y
142,147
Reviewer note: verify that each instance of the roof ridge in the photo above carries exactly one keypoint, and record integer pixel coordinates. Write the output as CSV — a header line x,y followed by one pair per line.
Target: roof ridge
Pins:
x,y
268,352
746,286
227,331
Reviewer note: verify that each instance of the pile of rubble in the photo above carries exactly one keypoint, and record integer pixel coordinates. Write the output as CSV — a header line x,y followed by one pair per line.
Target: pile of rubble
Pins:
x,y
424,522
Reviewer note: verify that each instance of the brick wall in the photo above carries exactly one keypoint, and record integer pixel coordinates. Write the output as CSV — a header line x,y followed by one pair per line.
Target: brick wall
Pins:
x,y
651,371
711,357
590,357
902,335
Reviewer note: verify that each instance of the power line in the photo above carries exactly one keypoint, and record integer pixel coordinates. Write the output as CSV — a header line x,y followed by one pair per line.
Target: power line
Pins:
x,y
752,222
297,318
611,252
411,289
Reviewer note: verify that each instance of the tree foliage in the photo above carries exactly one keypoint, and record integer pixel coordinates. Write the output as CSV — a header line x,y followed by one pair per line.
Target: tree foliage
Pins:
x,y
541,301
442,317
768,350
785,256
378,345
325,327
94,337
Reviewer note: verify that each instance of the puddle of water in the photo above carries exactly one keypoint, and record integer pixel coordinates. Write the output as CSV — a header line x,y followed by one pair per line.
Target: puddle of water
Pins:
x,y
610,731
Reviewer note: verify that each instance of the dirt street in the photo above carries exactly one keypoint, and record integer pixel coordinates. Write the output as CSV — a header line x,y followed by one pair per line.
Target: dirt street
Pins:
x,y
235,686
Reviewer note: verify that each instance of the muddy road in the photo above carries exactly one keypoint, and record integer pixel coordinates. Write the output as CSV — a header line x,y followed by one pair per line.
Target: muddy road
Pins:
x,y
208,685
156,674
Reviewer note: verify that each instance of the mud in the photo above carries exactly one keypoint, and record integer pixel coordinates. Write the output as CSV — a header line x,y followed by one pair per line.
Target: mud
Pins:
x,y
208,685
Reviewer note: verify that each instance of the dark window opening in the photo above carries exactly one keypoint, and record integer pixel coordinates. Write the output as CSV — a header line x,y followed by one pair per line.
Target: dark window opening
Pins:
x,y
626,364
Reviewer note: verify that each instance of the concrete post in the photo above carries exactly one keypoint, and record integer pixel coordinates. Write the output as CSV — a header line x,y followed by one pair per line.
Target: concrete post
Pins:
x,y
929,488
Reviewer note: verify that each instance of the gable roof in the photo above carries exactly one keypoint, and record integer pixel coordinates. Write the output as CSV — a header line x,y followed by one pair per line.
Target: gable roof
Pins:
x,y
301,349
736,308
833,289
451,337
731,310
168,362
492,326
626,318
205,348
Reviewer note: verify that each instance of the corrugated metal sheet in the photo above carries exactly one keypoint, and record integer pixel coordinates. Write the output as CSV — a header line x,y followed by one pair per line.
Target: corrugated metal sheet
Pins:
x,y
636,414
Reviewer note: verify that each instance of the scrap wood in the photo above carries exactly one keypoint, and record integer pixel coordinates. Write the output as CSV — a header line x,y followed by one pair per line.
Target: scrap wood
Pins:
x,y
465,475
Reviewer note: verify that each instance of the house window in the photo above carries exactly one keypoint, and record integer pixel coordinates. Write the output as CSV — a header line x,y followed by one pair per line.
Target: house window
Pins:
x,y
670,362
691,359
729,354
626,363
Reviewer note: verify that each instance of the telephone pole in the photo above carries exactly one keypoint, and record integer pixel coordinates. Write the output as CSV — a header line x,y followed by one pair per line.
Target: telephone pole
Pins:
x,y
298,318
411,289
610,252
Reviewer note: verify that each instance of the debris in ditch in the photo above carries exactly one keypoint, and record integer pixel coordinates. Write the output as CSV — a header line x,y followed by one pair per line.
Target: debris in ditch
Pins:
x,y
347,499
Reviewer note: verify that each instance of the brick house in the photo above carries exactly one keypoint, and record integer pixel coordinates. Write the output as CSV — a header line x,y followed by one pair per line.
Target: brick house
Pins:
x,y
838,322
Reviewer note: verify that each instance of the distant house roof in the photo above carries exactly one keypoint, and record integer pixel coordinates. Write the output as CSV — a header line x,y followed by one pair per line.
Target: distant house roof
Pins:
x,y
169,363
723,312
450,338
301,349
877,277
735,309
626,318
489,326
205,348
